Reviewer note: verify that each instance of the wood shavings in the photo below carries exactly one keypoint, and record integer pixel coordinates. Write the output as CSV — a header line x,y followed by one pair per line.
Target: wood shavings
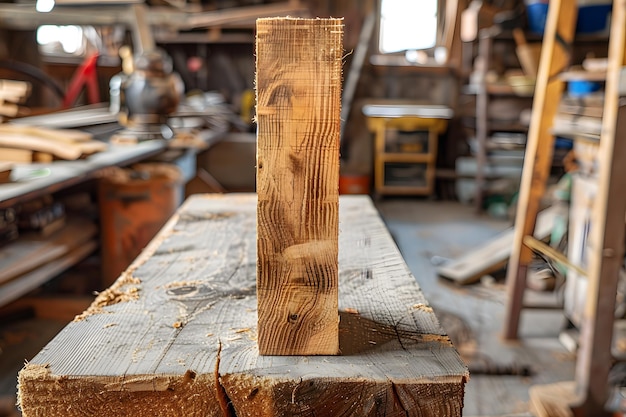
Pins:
x,y
247,329
178,284
436,338
422,307
177,325
113,295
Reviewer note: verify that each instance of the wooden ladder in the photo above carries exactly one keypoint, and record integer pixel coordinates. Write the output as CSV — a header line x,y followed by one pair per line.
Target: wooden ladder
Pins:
x,y
590,390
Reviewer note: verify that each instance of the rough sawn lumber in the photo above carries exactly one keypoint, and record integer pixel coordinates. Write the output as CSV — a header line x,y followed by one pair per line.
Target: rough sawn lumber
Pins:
x,y
175,335
298,90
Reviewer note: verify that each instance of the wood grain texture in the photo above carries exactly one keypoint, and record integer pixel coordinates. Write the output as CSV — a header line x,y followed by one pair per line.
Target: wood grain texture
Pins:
x,y
298,84
176,334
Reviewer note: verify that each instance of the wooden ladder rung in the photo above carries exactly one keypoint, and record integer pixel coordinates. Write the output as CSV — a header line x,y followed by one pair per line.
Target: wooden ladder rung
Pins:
x,y
548,251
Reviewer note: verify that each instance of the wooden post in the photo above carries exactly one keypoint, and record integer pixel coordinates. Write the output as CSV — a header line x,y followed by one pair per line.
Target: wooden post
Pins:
x,y
298,83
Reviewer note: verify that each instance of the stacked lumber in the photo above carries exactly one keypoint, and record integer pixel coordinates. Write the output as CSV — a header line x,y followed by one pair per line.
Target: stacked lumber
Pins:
x,y
5,171
34,258
12,93
23,144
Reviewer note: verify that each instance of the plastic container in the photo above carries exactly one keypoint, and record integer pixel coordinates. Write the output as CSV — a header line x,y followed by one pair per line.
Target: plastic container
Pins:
x,y
537,12
580,88
354,184
593,18
593,15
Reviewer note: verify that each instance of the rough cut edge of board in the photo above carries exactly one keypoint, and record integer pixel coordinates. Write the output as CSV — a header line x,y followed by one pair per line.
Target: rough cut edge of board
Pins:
x,y
140,396
331,20
237,394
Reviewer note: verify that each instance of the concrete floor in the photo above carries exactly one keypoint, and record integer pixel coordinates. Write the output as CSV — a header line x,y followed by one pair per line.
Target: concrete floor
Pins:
x,y
427,231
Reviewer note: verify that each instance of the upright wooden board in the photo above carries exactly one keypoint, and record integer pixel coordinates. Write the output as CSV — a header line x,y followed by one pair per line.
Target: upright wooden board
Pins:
x,y
298,83
176,334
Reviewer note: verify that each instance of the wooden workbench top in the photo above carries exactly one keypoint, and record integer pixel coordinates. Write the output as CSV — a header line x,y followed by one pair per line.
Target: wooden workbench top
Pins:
x,y
176,334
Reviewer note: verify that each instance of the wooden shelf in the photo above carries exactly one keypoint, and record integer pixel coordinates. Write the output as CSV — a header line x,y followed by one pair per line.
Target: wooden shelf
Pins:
x,y
582,75
576,135
34,259
494,89
407,157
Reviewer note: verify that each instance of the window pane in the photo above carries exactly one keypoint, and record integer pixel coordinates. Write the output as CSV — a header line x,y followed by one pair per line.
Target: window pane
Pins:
x,y
407,25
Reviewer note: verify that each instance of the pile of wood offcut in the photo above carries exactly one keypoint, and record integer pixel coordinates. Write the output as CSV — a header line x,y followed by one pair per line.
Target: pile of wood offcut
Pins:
x,y
11,94
23,144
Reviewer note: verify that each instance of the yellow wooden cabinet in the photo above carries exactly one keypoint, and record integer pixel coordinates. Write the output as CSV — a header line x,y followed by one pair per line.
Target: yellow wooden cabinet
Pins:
x,y
405,146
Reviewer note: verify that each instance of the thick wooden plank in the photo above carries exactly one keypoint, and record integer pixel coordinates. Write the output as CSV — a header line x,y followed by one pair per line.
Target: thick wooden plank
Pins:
x,y
494,254
176,334
298,83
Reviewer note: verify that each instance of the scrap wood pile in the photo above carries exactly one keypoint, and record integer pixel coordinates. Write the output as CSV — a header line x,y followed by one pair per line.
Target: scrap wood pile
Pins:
x,y
11,94
23,144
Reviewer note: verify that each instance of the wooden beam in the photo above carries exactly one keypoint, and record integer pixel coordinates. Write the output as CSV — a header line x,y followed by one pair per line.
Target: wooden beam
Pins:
x,y
176,334
298,84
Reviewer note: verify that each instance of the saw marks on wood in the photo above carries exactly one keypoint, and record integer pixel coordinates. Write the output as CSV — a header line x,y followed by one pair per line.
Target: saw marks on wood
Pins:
x,y
186,344
298,84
